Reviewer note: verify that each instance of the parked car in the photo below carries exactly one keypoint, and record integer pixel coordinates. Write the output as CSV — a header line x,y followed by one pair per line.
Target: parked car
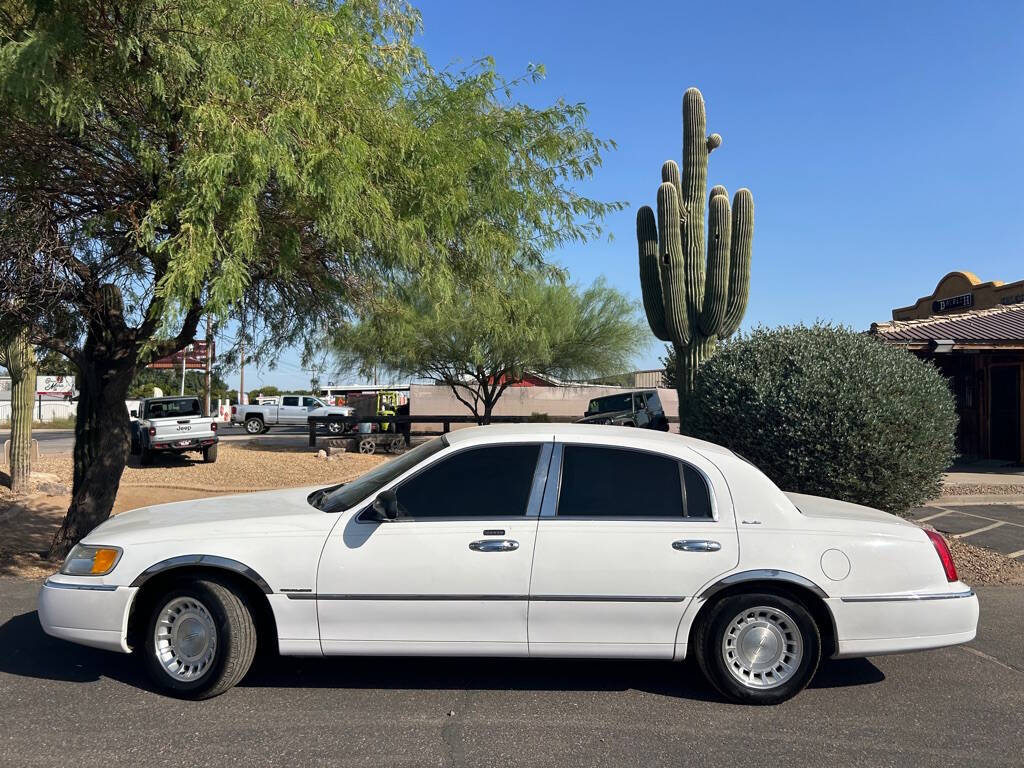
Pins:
x,y
628,409
517,540
288,410
172,425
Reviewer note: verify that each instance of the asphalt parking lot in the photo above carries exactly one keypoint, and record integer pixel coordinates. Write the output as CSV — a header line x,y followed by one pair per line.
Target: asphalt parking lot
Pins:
x,y
64,704
996,526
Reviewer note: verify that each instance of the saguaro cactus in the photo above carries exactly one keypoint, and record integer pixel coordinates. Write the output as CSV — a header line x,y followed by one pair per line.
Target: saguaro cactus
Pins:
x,y
694,297
20,361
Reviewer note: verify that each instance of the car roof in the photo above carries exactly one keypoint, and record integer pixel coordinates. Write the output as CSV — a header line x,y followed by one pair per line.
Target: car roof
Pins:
x,y
170,397
499,431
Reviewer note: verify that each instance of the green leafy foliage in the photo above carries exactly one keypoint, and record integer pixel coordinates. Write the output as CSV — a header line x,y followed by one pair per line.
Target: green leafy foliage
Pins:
x,y
827,411
491,337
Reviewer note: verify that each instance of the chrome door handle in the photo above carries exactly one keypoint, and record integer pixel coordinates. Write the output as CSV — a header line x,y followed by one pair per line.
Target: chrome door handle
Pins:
x,y
696,545
494,545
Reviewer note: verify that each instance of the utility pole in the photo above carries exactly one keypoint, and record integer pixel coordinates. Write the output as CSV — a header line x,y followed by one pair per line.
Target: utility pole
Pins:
x,y
208,383
184,365
241,359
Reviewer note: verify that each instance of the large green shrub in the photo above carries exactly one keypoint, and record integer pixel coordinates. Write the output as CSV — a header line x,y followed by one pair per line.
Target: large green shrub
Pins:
x,y
827,411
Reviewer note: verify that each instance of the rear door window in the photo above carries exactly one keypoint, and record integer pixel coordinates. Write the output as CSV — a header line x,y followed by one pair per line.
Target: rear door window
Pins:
x,y
290,401
606,482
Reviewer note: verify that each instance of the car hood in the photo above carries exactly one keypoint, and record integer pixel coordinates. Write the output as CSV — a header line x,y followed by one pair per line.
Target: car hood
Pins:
x,y
269,513
821,507
607,415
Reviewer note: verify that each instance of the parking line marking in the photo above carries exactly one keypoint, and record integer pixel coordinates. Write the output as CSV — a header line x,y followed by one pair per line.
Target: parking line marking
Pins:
x,y
932,517
978,530
1018,553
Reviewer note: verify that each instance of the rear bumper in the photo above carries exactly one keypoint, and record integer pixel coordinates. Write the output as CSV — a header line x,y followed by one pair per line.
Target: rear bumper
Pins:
x,y
88,614
879,624
184,444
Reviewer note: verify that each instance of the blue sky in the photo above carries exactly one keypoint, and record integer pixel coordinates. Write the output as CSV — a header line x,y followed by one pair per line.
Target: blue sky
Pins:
x,y
883,142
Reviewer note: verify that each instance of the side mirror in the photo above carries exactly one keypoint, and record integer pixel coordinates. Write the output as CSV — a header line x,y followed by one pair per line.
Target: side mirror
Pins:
x,y
385,506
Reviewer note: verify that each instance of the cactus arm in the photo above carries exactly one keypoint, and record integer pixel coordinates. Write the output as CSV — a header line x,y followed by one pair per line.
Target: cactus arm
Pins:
x,y
739,260
672,266
716,288
650,276
670,174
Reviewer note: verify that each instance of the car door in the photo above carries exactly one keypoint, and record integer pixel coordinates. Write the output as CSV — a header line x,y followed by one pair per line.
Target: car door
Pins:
x,y
627,540
291,410
643,416
452,573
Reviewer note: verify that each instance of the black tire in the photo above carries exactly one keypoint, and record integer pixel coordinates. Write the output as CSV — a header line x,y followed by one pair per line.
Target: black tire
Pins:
x,y
254,425
235,640
264,430
210,453
711,654
335,427
145,456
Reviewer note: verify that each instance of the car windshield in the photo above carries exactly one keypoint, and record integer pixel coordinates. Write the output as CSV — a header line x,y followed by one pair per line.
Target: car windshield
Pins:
x,y
186,406
337,498
611,403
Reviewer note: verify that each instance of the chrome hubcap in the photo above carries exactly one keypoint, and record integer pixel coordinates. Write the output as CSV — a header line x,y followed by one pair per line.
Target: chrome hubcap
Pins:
x,y
762,647
185,639
253,427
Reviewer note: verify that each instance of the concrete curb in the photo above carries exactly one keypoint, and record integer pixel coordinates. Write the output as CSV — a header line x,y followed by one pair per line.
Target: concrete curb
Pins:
x,y
981,498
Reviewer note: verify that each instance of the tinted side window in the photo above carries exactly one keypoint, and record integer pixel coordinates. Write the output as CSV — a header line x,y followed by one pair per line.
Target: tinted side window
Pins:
x,y
697,499
653,401
310,402
290,401
479,482
609,482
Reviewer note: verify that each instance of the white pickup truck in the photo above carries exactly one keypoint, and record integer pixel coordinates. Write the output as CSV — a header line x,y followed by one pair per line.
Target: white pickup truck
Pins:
x,y
172,425
289,410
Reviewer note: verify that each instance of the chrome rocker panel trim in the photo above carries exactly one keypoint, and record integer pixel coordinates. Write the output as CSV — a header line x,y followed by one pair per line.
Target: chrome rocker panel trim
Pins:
x,y
907,598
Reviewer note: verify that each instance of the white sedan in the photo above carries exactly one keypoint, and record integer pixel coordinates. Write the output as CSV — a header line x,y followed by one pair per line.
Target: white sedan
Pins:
x,y
524,540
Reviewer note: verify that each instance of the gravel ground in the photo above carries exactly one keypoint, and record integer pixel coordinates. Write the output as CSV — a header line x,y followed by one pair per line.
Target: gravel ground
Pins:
x,y
979,566
964,489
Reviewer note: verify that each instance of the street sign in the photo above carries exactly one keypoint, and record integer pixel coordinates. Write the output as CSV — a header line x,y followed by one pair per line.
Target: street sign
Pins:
x,y
194,355
55,385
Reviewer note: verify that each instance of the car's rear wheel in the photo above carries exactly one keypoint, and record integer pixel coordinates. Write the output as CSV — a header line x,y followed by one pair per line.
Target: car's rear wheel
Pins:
x,y
335,427
254,426
200,639
145,456
758,648
210,454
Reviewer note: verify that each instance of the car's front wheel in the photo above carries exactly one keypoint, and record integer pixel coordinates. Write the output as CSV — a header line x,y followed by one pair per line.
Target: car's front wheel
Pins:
x,y
758,648
200,640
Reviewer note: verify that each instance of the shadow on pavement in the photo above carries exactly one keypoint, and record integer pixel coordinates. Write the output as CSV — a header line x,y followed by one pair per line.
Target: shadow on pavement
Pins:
x,y
25,650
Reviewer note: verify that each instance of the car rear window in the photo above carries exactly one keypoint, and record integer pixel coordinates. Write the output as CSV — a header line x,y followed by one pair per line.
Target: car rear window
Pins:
x,y
186,406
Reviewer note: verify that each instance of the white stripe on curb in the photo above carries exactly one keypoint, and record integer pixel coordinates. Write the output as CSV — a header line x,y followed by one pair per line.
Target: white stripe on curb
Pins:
x,y
978,530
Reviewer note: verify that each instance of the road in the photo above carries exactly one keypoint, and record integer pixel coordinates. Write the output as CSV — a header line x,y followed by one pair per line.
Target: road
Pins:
x,y
61,703
63,440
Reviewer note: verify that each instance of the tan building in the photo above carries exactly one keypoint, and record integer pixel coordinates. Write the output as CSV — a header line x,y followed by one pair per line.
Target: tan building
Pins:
x,y
974,333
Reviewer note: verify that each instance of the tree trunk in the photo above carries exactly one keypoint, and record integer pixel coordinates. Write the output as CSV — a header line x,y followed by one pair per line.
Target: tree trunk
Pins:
x,y
102,437
21,363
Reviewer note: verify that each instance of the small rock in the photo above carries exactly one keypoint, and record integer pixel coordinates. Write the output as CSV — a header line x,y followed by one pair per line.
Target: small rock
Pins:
x,y
335,449
321,454
451,713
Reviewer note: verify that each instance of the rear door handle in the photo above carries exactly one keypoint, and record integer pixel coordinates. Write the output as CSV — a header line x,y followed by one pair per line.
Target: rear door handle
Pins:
x,y
494,545
696,545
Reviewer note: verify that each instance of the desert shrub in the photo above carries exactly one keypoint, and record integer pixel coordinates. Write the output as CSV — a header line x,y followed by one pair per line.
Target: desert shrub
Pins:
x,y
827,411
538,418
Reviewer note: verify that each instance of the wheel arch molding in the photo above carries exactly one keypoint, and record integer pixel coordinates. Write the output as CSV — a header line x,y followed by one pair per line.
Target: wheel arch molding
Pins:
x,y
207,561
761,574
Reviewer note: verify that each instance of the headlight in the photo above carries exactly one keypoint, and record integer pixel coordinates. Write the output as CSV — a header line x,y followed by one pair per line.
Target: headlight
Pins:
x,y
84,560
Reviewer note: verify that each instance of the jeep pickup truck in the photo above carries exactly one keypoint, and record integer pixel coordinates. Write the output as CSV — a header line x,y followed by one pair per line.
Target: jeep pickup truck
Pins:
x,y
289,410
172,425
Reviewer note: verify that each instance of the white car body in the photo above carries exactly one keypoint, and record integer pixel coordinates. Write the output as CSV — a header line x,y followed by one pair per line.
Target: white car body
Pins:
x,y
629,587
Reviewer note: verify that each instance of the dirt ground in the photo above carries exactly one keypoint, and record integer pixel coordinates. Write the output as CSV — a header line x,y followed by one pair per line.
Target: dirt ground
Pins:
x,y
27,523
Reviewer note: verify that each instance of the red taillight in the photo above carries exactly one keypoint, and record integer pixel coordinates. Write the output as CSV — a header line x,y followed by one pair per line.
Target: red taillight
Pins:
x,y
152,431
213,426
234,409
947,559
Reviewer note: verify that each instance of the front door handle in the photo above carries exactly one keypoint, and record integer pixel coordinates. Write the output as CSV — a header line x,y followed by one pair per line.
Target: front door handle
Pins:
x,y
494,545
696,545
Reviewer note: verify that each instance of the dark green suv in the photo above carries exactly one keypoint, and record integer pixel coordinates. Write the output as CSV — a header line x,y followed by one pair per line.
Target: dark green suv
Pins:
x,y
628,409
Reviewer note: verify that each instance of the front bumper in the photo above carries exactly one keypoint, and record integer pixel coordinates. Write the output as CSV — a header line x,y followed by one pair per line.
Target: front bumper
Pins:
x,y
881,624
88,614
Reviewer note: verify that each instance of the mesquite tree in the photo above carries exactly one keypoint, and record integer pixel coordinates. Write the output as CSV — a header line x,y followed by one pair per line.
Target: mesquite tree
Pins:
x,y
161,160
18,357
694,296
